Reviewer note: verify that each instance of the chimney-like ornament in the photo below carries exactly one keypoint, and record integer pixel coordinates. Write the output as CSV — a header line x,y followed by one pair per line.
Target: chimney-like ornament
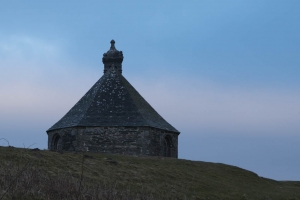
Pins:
x,y
113,57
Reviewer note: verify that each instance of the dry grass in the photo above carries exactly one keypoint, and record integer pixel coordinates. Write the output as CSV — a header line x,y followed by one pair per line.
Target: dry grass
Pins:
x,y
29,174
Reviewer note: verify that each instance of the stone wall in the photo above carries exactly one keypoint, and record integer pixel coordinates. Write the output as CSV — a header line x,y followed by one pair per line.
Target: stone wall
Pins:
x,y
117,140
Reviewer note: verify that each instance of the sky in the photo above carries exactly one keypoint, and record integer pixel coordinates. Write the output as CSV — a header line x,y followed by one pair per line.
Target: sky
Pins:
x,y
226,74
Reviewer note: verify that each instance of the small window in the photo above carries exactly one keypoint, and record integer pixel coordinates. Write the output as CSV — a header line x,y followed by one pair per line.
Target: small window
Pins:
x,y
57,143
167,146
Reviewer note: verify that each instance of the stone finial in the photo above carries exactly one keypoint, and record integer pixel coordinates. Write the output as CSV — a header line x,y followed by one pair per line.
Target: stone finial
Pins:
x,y
113,56
112,45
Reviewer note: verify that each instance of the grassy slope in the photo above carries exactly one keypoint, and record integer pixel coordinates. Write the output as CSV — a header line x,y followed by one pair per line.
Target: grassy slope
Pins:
x,y
167,178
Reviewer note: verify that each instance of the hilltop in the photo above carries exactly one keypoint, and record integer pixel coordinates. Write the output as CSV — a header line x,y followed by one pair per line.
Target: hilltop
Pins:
x,y
43,174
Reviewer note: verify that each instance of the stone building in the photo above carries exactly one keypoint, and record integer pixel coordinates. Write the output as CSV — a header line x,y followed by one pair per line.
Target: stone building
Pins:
x,y
112,117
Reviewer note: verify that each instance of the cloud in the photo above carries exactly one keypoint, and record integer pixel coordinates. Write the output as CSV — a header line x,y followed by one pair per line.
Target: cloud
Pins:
x,y
37,78
25,59
197,106
28,48
37,88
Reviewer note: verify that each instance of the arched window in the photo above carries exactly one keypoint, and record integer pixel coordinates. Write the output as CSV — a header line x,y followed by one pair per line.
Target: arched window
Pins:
x,y
57,145
167,146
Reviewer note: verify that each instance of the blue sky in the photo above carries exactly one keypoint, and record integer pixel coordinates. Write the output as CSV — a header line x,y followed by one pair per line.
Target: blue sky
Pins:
x,y
224,73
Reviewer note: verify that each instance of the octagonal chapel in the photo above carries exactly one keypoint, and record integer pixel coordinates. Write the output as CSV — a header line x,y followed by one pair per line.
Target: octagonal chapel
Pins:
x,y
112,117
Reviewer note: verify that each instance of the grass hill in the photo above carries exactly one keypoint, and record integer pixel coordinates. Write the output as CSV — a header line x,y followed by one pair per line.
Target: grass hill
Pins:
x,y
42,174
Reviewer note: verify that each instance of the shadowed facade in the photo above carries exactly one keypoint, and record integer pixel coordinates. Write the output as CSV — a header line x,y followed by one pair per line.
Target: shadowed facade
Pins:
x,y
112,117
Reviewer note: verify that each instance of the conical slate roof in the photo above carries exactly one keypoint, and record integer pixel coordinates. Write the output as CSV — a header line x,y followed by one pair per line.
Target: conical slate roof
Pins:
x,y
112,101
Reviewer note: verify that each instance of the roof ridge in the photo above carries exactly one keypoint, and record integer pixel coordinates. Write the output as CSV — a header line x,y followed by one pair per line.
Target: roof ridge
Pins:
x,y
123,78
92,99
80,101
141,108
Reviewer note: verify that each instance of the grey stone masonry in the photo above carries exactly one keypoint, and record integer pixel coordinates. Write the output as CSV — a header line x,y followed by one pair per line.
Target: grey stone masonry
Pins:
x,y
117,140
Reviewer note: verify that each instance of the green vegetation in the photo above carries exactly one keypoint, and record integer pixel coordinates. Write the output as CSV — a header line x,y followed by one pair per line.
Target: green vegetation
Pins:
x,y
36,174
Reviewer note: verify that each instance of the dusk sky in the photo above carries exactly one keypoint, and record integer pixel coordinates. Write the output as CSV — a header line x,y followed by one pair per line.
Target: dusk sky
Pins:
x,y
226,74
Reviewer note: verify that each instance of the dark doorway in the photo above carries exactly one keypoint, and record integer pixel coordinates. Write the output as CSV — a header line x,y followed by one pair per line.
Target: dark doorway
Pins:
x,y
57,143
167,146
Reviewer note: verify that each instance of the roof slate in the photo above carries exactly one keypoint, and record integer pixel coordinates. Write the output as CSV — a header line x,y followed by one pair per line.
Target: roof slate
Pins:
x,y
112,101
